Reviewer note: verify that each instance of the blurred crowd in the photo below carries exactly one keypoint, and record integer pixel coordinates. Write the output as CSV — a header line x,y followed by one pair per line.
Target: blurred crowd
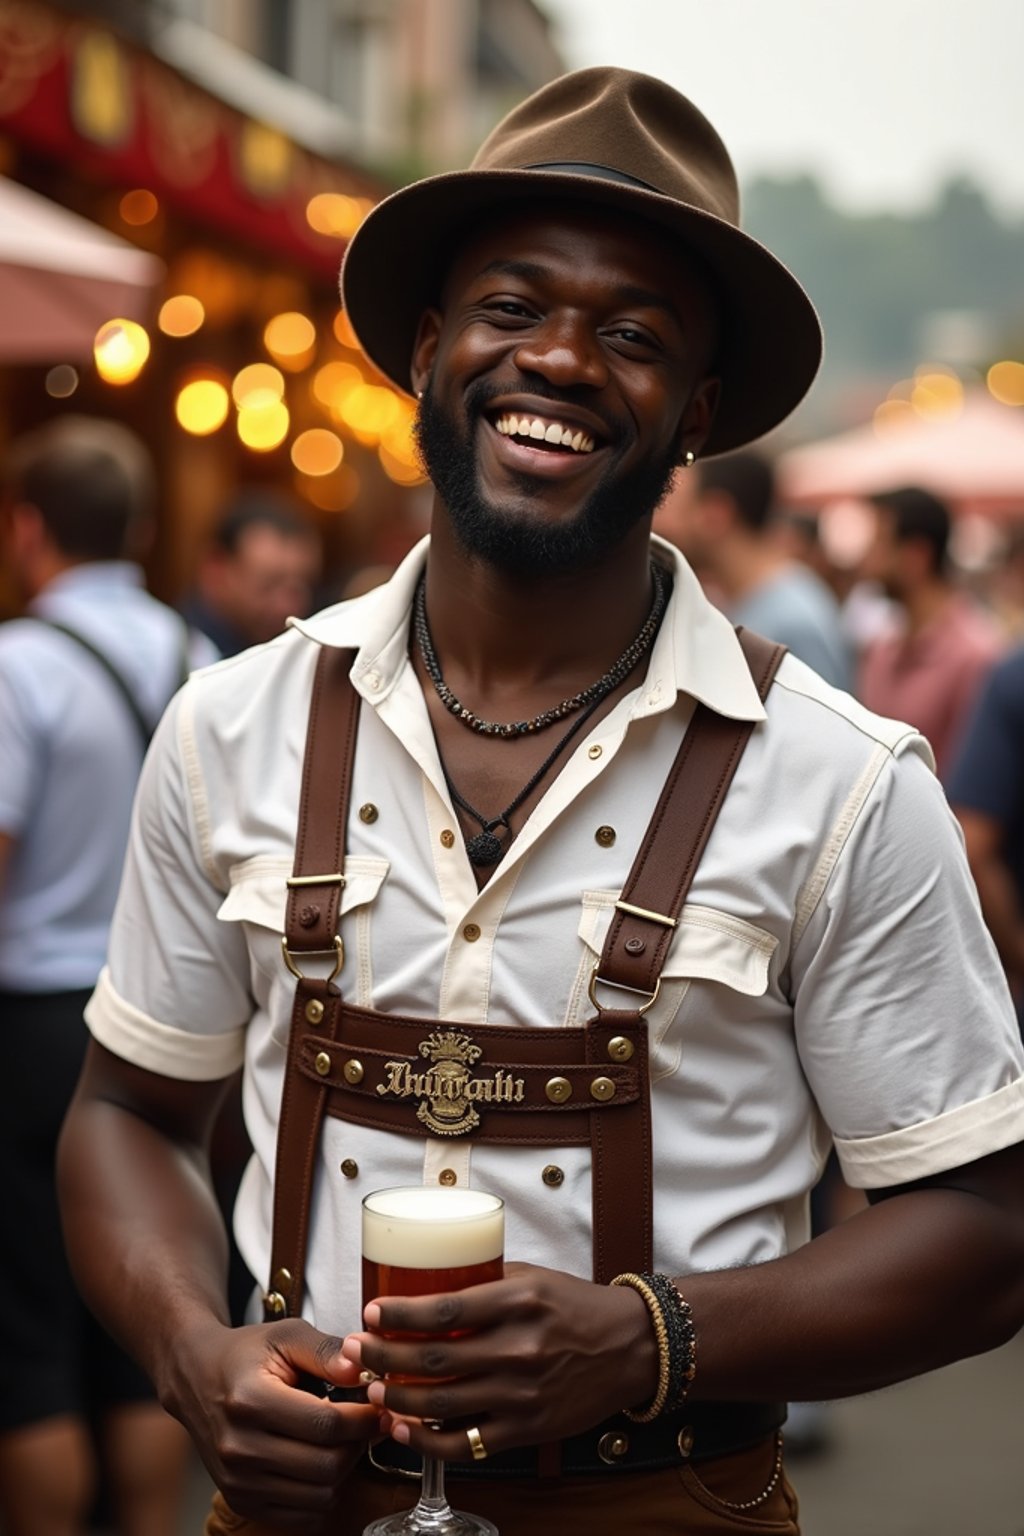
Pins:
x,y
871,594
884,611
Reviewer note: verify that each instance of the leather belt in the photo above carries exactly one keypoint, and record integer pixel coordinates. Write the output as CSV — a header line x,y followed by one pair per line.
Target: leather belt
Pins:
x,y
696,1433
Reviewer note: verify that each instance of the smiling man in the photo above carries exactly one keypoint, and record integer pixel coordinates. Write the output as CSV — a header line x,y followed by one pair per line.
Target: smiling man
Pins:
x,y
586,901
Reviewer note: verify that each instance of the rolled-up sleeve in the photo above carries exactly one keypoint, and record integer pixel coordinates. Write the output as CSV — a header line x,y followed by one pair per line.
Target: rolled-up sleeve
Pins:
x,y
174,997
904,1022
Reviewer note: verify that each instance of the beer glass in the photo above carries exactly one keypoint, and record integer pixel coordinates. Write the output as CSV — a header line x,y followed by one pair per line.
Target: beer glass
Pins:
x,y
418,1242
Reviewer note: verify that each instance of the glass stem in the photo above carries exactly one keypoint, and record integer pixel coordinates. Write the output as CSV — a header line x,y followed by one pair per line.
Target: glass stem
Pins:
x,y
432,1495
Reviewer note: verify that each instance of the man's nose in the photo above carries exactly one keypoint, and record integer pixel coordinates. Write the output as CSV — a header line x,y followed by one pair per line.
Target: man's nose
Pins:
x,y
565,351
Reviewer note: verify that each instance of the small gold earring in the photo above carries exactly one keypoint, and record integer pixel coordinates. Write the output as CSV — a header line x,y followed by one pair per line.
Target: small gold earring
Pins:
x,y
419,394
688,461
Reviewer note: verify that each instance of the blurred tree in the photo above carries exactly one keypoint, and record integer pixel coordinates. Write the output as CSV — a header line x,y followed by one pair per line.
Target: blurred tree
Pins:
x,y
877,278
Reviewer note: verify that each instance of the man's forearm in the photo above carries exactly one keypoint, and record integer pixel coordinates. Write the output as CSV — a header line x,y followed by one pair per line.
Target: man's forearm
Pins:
x,y
144,1234
907,1286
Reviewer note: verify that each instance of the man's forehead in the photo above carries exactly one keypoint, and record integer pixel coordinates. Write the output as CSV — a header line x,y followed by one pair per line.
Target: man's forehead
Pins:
x,y
526,240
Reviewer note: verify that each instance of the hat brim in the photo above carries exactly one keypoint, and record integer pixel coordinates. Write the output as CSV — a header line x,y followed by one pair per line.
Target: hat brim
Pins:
x,y
772,343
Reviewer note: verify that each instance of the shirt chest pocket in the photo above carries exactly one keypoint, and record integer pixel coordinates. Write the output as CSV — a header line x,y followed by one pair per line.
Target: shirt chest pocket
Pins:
x,y
257,899
707,945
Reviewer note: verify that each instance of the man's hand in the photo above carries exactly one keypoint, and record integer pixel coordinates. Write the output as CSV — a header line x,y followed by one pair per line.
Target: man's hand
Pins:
x,y
539,1355
279,1454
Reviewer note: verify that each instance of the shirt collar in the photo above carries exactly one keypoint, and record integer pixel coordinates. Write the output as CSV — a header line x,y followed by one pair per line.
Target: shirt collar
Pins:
x,y
96,576
696,651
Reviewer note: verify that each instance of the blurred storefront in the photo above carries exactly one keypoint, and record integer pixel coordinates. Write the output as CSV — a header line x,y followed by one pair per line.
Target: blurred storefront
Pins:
x,y
154,122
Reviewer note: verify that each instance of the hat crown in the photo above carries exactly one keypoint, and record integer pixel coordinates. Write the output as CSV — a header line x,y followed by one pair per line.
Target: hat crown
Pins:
x,y
619,122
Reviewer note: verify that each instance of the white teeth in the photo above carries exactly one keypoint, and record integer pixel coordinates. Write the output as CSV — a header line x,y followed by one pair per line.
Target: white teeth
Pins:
x,y
548,432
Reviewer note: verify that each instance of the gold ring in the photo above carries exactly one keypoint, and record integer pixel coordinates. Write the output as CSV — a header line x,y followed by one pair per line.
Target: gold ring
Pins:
x,y
476,1445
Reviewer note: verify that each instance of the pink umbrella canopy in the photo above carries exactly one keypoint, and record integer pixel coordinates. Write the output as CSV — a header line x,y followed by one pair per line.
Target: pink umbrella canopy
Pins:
x,y
973,457
61,278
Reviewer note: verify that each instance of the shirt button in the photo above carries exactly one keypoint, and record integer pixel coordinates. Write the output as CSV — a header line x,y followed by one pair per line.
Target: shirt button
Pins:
x,y
368,813
448,1177
350,1168
594,751
447,839
605,836
373,682
471,933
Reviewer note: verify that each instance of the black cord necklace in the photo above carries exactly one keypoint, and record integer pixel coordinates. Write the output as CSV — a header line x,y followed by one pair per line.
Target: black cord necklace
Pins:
x,y
486,847
611,679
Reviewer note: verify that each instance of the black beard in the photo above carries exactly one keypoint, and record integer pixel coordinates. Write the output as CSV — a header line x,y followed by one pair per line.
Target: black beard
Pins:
x,y
529,547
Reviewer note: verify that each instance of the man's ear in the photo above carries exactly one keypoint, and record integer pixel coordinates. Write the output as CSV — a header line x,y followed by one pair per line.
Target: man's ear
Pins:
x,y
698,417
25,528
428,334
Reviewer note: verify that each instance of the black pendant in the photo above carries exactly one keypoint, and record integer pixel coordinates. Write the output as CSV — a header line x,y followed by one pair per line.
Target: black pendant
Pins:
x,y
484,849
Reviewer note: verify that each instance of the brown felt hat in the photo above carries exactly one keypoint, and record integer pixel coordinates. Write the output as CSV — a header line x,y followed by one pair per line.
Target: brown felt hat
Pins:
x,y
619,140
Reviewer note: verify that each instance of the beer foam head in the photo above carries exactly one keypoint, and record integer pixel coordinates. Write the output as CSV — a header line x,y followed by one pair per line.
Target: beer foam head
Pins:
x,y
432,1227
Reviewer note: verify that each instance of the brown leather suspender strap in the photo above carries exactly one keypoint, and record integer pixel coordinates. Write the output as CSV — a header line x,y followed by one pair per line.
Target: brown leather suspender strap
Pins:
x,y
638,938
311,932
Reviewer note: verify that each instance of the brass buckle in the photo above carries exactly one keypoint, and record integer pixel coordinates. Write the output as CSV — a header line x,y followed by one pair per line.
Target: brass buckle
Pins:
x,y
337,950
592,991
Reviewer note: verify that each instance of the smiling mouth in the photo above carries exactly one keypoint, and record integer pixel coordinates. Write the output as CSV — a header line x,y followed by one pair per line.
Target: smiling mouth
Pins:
x,y
544,432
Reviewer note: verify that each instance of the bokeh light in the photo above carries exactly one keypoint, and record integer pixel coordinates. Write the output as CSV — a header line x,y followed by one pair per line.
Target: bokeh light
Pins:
x,y
139,206
1005,382
331,493
893,416
61,381
202,406
257,386
181,315
344,333
317,452
370,410
121,348
263,427
937,392
332,213
334,382
290,339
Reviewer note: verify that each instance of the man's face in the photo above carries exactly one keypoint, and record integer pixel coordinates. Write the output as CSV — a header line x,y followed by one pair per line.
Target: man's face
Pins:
x,y
885,560
564,377
267,578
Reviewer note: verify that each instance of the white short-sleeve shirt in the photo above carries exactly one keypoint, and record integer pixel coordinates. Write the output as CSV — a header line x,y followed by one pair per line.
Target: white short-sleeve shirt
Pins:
x,y
830,979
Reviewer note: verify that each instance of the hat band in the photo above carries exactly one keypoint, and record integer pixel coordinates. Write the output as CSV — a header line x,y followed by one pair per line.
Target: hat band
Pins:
x,y
582,168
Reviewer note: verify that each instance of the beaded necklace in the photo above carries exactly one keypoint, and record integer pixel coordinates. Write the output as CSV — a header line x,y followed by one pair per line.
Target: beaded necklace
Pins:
x,y
486,847
604,685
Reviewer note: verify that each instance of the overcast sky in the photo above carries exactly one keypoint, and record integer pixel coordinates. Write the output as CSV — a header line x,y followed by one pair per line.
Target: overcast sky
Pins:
x,y
883,98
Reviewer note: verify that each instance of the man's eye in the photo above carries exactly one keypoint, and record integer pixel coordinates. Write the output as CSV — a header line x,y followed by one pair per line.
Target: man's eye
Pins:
x,y
509,307
630,334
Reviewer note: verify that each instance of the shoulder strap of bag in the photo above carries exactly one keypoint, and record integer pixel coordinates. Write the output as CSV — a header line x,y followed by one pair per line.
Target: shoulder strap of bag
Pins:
x,y
143,726
311,933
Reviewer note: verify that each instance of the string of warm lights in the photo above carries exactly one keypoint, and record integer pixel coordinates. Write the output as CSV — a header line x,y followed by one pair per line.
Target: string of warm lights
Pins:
x,y
337,380
936,391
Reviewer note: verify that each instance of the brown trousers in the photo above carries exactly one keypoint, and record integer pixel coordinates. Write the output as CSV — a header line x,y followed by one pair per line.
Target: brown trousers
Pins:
x,y
689,1500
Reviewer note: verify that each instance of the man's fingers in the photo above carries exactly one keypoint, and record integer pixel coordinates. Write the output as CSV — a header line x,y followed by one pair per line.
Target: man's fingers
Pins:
x,y
479,1306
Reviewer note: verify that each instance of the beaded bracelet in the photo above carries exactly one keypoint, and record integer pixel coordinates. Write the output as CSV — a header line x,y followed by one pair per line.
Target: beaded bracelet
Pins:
x,y
676,1338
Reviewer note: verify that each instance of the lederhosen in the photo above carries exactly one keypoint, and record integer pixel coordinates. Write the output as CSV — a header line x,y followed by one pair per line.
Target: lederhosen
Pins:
x,y
556,1086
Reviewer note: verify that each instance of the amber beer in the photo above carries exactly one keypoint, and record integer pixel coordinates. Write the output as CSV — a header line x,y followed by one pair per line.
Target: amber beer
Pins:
x,y
422,1241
